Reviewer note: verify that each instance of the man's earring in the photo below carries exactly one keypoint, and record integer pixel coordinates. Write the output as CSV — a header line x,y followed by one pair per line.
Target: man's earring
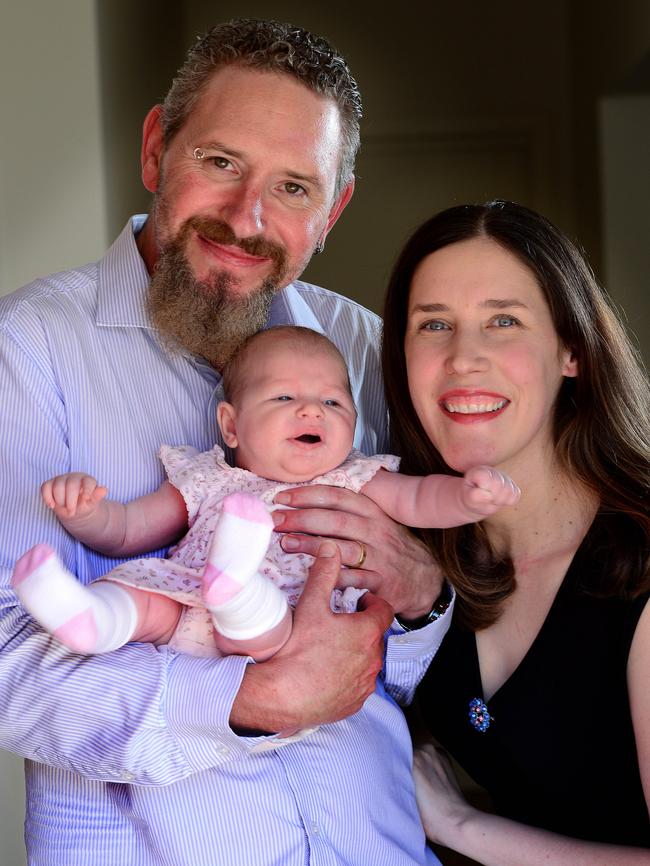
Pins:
x,y
320,246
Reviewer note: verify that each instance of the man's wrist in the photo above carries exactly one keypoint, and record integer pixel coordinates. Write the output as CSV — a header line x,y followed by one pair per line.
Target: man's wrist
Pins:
x,y
438,608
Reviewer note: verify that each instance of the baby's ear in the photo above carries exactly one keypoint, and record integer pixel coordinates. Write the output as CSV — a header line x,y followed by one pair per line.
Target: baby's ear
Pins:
x,y
227,420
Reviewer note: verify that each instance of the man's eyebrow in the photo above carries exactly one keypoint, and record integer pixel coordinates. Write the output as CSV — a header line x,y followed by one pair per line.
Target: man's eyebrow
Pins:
x,y
216,145
311,179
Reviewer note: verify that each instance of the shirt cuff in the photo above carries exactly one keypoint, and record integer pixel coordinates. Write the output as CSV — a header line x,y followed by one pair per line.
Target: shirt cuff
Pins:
x,y
198,703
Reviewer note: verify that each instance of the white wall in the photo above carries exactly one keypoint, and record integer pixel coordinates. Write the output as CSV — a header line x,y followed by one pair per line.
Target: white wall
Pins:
x,y
52,201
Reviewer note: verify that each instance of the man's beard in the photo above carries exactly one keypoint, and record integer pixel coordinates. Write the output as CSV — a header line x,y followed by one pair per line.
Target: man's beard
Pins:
x,y
209,319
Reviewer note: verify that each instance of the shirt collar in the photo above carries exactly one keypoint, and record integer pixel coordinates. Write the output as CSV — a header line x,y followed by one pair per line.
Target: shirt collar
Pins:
x,y
123,281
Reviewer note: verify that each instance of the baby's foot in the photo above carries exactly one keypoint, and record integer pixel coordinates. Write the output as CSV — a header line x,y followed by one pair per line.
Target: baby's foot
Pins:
x,y
239,544
86,619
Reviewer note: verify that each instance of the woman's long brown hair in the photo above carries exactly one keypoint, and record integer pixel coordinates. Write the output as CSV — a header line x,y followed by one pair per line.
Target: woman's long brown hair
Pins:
x,y
601,425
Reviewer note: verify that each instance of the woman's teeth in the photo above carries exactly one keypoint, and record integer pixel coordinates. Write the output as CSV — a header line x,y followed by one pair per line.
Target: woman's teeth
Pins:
x,y
475,408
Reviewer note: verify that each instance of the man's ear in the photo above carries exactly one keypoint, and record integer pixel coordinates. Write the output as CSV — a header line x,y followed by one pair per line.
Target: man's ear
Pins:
x,y
152,149
569,364
338,207
227,420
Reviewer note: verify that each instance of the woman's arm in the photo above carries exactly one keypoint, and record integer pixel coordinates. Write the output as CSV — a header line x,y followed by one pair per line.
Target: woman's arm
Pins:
x,y
441,500
114,528
494,841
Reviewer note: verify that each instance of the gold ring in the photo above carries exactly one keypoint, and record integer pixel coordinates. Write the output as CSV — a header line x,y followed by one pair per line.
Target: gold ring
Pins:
x,y
363,552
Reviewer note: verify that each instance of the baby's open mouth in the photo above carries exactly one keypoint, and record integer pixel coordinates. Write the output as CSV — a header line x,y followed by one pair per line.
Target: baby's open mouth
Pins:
x,y
310,438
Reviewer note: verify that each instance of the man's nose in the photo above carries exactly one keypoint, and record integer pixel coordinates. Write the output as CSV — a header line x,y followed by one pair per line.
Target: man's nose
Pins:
x,y
243,210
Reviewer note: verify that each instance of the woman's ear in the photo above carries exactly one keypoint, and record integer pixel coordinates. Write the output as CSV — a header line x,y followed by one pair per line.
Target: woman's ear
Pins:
x,y
227,420
569,364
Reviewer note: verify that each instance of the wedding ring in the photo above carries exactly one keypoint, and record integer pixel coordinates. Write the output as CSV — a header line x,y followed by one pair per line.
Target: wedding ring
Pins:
x,y
363,552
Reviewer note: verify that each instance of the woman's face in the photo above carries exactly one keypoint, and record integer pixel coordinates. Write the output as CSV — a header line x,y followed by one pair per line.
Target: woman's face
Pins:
x,y
483,358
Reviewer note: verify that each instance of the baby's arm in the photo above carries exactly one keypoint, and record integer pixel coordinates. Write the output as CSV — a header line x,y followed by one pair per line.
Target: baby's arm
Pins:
x,y
114,528
441,500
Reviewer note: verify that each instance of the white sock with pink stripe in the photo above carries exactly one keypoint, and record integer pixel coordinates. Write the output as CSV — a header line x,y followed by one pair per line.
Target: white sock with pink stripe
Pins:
x,y
244,604
87,619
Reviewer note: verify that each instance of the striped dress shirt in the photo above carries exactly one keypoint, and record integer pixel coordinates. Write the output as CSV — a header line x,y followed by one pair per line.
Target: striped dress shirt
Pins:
x,y
129,756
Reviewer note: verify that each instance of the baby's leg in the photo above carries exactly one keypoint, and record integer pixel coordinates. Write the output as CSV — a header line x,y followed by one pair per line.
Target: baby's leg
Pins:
x,y
250,614
87,619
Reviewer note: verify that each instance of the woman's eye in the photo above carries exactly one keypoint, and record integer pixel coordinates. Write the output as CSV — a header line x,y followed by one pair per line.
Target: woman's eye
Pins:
x,y
505,321
434,325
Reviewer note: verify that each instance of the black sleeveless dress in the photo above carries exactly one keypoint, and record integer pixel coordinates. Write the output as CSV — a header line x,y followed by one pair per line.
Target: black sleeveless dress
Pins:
x,y
559,751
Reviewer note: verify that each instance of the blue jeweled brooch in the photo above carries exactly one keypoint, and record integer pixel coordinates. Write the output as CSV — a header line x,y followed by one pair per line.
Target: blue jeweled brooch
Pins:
x,y
479,717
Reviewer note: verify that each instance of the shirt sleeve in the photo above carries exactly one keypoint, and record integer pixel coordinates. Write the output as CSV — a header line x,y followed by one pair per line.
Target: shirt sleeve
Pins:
x,y
409,654
141,714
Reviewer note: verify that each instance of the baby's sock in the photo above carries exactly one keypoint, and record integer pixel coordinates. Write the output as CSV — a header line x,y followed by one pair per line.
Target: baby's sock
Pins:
x,y
243,603
87,619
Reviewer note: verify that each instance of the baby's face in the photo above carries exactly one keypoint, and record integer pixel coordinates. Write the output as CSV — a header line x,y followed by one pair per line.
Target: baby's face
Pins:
x,y
294,418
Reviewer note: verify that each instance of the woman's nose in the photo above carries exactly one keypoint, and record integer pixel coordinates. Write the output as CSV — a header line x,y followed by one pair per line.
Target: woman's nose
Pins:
x,y
466,355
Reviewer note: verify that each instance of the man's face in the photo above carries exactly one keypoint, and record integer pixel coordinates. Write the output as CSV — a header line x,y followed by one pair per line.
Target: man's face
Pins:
x,y
244,192
259,154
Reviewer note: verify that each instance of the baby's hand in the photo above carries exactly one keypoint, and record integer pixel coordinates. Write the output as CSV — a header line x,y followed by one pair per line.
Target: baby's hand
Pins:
x,y
486,490
74,494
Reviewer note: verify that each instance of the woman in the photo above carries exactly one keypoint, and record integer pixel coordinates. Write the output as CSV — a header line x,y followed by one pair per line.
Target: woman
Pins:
x,y
500,348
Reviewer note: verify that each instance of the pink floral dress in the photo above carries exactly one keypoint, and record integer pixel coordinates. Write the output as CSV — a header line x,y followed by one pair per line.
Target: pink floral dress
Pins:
x,y
204,480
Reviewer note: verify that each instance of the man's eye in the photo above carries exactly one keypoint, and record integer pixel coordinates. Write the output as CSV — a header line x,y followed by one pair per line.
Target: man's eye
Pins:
x,y
221,162
294,188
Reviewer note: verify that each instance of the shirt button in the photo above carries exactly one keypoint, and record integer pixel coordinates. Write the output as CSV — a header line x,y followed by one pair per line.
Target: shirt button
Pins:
x,y
315,829
224,750
126,776
401,639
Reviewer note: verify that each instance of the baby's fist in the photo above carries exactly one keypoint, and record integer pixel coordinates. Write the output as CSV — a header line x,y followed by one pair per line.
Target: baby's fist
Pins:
x,y
74,494
486,490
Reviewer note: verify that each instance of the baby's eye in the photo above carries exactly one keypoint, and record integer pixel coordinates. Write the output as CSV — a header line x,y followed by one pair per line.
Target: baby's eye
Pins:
x,y
284,398
334,403
505,321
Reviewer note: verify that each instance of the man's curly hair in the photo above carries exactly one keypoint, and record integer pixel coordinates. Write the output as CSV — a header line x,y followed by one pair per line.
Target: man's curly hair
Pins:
x,y
276,47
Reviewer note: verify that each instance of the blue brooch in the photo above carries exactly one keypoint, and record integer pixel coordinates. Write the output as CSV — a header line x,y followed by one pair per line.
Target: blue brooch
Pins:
x,y
479,717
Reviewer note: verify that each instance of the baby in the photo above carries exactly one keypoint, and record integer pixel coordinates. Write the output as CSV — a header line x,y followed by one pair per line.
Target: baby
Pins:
x,y
227,586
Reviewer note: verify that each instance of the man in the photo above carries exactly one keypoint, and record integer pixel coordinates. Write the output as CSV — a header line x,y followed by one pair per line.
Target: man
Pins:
x,y
146,756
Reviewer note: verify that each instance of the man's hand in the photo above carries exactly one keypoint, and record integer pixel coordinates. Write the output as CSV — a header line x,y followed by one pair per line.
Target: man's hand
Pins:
x,y
327,668
397,567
